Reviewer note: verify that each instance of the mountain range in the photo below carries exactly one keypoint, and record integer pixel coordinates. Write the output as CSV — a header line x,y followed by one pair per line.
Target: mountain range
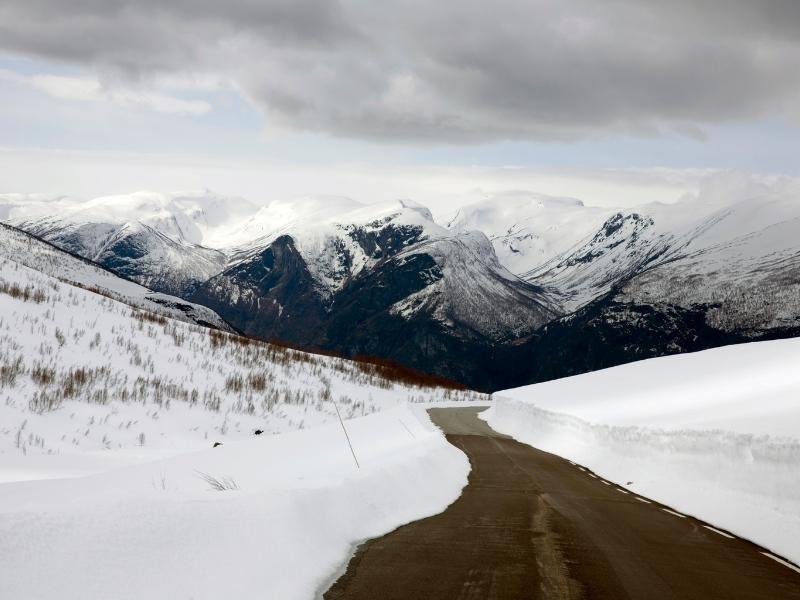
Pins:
x,y
514,289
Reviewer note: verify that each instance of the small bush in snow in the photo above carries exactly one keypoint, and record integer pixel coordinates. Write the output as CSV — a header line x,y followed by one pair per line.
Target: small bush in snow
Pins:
x,y
219,484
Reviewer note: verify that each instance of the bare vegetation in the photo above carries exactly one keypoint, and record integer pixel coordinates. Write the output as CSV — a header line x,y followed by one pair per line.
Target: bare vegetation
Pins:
x,y
739,297
26,294
131,368
219,484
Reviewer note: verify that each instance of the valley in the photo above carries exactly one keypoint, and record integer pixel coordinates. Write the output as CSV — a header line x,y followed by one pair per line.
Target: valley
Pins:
x,y
341,300
514,290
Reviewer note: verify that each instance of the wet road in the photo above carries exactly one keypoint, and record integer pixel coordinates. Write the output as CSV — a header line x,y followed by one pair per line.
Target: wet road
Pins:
x,y
533,525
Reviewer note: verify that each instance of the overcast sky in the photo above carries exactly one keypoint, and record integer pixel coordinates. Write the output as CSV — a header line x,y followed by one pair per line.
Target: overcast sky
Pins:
x,y
397,97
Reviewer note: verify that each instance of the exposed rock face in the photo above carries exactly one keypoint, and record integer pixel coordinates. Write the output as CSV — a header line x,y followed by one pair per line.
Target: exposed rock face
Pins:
x,y
383,288
134,250
270,294
517,289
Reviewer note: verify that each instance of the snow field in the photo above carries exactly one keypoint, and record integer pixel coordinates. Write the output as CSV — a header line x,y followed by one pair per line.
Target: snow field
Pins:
x,y
713,434
112,489
23,249
161,531
88,383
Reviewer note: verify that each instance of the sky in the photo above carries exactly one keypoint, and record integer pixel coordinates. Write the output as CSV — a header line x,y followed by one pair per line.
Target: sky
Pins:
x,y
613,101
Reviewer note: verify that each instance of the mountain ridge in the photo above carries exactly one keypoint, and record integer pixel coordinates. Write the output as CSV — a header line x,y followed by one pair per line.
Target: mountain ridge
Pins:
x,y
387,280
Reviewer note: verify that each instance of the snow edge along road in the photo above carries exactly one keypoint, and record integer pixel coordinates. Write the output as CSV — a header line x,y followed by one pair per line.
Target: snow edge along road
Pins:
x,y
728,480
296,492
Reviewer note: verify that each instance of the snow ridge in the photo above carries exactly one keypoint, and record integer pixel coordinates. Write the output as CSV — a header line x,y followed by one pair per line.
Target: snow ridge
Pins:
x,y
24,249
710,433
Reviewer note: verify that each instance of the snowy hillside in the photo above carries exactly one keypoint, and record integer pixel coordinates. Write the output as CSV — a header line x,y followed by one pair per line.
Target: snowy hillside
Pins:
x,y
192,217
526,229
713,434
155,239
518,287
21,248
83,374
156,434
743,261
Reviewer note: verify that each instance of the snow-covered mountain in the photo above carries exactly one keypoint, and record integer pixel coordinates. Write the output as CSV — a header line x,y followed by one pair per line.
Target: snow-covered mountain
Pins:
x,y
624,245
281,216
583,253
742,263
526,229
382,280
193,217
516,288
667,279
156,239
684,254
19,247
92,362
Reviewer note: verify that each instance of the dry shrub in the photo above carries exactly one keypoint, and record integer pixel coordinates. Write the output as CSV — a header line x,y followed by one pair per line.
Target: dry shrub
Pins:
x,y
257,383
147,317
9,372
26,294
43,375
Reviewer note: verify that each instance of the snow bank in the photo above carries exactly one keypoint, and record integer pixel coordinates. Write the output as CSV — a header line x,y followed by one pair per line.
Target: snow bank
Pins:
x,y
715,434
87,384
160,531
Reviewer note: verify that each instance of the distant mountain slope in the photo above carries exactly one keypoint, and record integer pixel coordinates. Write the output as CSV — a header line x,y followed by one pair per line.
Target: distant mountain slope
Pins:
x,y
742,263
624,245
193,217
733,241
154,239
726,277
142,253
279,217
25,249
83,372
526,229
517,288
383,280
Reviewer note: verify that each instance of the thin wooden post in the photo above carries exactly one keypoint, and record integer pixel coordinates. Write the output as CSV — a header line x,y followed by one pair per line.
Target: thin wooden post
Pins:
x,y
353,452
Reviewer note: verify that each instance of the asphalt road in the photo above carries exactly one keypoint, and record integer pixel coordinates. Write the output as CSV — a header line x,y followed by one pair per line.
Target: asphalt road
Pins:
x,y
532,525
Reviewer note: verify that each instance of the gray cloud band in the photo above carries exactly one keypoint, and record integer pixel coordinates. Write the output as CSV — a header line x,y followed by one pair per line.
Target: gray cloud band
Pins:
x,y
450,71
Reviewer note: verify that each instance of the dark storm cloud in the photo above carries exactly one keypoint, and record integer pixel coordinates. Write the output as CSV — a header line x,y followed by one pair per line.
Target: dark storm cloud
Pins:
x,y
446,71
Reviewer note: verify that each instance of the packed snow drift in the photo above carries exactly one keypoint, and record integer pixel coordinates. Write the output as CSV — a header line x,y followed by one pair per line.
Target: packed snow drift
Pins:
x,y
269,517
714,434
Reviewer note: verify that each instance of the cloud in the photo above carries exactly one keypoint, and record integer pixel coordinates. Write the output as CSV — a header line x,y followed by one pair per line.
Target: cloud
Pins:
x,y
88,89
443,189
452,71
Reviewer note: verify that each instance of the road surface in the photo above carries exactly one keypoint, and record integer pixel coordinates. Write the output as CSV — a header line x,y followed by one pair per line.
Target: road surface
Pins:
x,y
532,525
